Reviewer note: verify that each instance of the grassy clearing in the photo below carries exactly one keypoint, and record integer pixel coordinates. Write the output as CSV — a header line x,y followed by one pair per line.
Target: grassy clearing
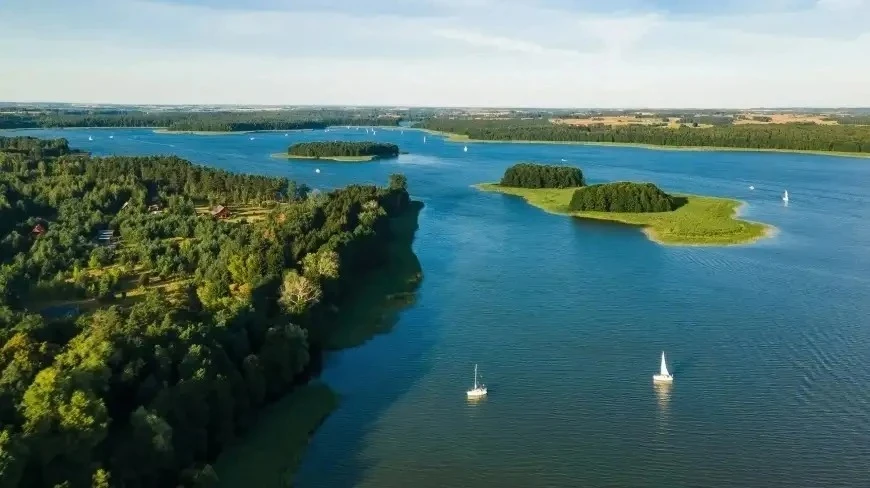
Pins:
x,y
702,221
374,308
270,452
238,213
337,159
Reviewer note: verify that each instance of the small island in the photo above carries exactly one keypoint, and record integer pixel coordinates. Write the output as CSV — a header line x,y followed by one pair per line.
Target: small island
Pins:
x,y
341,151
673,219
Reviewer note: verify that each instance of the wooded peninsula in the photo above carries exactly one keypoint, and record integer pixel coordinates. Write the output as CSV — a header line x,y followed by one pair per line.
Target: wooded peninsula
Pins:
x,y
150,308
666,218
848,139
343,151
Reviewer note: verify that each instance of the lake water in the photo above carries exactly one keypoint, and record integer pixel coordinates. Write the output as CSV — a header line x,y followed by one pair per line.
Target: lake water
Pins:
x,y
769,344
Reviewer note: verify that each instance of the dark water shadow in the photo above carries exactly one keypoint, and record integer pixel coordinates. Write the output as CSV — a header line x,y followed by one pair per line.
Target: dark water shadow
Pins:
x,y
684,365
343,436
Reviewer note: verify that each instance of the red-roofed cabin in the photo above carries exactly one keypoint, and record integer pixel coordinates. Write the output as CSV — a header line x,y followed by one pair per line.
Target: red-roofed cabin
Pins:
x,y
38,230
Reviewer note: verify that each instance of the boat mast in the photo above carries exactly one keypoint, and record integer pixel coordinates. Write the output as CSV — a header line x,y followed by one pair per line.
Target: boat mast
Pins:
x,y
475,376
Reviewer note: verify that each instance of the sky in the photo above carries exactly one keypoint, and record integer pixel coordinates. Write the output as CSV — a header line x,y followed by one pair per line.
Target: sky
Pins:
x,y
469,53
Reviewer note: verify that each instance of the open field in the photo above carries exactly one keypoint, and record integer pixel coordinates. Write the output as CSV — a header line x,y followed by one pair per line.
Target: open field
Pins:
x,y
701,221
786,118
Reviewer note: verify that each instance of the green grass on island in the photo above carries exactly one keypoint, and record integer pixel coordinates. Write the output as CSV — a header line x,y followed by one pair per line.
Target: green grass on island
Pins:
x,y
270,452
338,159
701,221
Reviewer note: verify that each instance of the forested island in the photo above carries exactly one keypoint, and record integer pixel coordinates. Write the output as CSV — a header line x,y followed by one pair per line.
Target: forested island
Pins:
x,y
342,151
666,218
189,121
150,308
811,137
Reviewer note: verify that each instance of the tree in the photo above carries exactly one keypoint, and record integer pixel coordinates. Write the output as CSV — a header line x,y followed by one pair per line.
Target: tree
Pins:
x,y
322,264
398,182
298,293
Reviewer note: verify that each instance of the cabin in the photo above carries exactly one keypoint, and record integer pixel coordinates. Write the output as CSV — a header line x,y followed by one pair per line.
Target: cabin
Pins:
x,y
107,237
38,230
154,208
220,212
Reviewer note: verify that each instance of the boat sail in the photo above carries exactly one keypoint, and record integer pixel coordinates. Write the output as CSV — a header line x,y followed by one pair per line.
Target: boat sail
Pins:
x,y
478,390
785,196
664,376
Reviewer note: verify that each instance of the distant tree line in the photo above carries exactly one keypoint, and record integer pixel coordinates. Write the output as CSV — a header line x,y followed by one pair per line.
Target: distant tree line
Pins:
x,y
533,175
622,196
324,149
189,326
225,121
810,137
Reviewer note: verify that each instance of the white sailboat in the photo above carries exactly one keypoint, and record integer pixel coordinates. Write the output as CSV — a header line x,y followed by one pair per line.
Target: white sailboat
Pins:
x,y
664,376
90,138
111,137
478,390
424,139
785,196
465,149
751,187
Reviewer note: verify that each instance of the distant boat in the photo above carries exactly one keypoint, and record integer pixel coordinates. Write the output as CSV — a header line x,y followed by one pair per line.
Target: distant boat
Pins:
x,y
751,187
317,170
465,149
252,138
564,160
478,390
286,134
325,130
785,196
663,376
424,139
347,127
111,137
90,138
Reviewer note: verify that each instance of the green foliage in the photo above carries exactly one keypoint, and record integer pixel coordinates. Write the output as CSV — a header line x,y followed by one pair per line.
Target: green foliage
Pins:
x,y
532,175
622,196
325,149
198,121
218,320
803,137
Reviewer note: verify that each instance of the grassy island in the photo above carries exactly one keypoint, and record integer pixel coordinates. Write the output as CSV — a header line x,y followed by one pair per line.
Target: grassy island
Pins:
x,y
677,219
341,151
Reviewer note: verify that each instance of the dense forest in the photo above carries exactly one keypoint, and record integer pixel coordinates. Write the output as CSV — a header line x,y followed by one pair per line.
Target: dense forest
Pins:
x,y
325,149
533,175
197,121
809,137
622,196
175,327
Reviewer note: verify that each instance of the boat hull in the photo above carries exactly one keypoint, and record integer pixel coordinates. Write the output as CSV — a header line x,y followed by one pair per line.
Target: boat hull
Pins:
x,y
658,378
476,393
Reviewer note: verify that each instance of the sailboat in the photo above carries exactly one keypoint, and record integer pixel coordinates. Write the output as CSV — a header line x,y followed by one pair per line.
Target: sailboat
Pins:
x,y
111,137
478,390
465,149
90,138
785,196
751,187
663,376
424,139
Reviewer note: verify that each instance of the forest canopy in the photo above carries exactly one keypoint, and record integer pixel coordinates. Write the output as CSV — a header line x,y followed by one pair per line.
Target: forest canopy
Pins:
x,y
533,175
222,121
622,196
325,149
176,327
804,137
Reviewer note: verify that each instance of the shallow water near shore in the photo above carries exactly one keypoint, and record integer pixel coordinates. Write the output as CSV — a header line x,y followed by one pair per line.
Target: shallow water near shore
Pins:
x,y
769,343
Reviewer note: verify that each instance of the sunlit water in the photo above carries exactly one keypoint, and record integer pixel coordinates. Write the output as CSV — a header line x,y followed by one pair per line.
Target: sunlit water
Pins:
x,y
769,343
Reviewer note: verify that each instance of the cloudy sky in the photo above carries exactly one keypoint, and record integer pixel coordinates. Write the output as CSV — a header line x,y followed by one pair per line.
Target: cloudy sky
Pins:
x,y
542,53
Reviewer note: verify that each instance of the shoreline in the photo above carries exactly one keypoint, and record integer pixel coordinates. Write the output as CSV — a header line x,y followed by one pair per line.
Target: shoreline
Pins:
x,y
459,138
659,227
334,159
163,130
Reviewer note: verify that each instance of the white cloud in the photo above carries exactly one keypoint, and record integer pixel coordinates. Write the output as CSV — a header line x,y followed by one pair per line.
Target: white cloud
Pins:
x,y
451,52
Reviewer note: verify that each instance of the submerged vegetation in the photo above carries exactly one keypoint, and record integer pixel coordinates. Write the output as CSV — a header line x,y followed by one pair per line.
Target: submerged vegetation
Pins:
x,y
176,327
343,149
793,136
667,219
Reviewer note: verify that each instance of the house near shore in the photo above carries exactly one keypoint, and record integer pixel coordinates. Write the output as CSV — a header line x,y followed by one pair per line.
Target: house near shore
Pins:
x,y
107,238
38,230
220,212
154,208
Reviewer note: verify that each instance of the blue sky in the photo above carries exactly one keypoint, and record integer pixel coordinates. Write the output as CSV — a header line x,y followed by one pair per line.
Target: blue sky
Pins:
x,y
550,53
